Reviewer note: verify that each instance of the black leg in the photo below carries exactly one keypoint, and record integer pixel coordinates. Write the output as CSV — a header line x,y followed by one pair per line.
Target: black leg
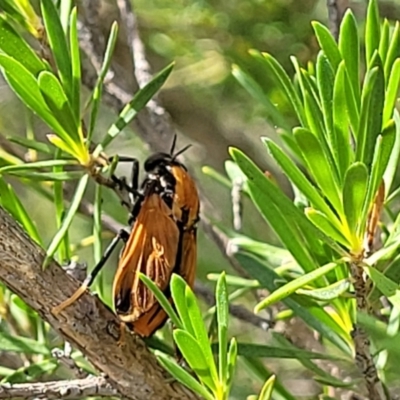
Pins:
x,y
122,235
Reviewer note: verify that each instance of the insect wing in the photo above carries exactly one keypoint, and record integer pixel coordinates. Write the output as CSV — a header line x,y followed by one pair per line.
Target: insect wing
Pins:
x,y
151,249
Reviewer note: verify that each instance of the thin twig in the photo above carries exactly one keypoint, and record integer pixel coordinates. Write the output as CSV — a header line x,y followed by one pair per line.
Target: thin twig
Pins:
x,y
72,389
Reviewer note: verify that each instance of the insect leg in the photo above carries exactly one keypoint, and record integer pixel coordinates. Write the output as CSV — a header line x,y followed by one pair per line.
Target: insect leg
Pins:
x,y
122,235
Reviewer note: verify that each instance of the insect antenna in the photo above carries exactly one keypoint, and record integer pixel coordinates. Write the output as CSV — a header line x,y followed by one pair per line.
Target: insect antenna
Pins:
x,y
178,153
173,145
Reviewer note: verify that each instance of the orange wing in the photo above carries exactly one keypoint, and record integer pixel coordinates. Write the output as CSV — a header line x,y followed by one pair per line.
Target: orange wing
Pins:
x,y
152,248
186,209
186,198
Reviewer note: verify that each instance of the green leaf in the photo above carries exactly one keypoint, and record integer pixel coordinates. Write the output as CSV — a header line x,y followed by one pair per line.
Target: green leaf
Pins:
x,y
32,144
340,143
392,167
372,30
354,192
58,44
384,42
232,359
178,288
221,295
75,66
233,280
218,177
195,357
327,293
316,318
37,165
47,176
266,390
349,45
371,111
325,224
200,332
57,101
32,372
138,102
325,80
393,51
288,289
165,304
20,344
262,351
318,165
389,288
287,220
12,44
297,177
13,205
73,208
392,90
257,92
327,44
183,377
283,80
97,92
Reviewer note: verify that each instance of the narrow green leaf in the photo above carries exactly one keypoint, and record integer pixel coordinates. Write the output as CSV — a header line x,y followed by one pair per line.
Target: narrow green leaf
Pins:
x,y
20,344
393,163
178,288
318,165
257,92
392,91
322,222
286,290
37,165
165,304
263,351
98,90
58,44
327,293
232,359
183,376
284,81
327,44
316,318
299,179
195,357
73,208
325,80
201,336
221,295
57,101
13,205
32,372
278,210
384,42
371,111
266,390
372,30
47,176
389,288
218,177
140,99
32,144
233,280
393,52
12,44
341,143
75,66
354,192
349,45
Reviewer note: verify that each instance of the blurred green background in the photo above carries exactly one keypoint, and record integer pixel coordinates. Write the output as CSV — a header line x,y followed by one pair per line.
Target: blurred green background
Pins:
x,y
210,110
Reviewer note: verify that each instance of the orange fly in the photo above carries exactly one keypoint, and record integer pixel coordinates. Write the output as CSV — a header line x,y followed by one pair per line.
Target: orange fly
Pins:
x,y
162,241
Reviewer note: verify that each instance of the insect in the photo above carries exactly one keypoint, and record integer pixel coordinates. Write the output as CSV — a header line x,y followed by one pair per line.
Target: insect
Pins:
x,y
164,220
